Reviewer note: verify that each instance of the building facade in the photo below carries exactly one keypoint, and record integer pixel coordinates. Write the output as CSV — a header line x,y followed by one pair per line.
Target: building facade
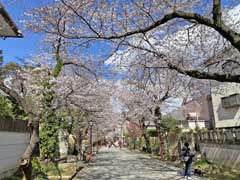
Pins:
x,y
195,113
226,105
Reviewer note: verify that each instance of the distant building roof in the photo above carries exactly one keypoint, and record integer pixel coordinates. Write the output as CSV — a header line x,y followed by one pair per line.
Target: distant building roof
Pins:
x,y
195,109
7,27
177,114
198,108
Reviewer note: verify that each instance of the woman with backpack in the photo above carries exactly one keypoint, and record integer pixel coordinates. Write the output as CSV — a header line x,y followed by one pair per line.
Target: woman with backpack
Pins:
x,y
187,157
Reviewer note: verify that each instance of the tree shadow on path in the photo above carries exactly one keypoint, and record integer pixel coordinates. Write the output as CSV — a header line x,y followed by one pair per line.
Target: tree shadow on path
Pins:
x,y
114,164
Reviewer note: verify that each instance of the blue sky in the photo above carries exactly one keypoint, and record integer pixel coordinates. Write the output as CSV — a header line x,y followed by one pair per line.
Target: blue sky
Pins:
x,y
19,47
14,48
24,47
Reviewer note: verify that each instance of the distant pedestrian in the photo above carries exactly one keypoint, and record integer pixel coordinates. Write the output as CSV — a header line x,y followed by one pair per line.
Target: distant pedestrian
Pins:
x,y
187,157
120,144
110,144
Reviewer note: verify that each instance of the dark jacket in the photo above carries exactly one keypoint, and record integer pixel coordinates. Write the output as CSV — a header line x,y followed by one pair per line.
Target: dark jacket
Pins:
x,y
186,152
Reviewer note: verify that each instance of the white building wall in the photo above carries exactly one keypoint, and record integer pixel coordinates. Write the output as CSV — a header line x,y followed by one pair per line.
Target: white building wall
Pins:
x,y
193,125
12,145
225,117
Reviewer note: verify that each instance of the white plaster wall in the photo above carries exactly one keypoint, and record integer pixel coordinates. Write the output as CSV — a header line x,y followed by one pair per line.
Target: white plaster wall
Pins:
x,y
12,145
193,125
225,117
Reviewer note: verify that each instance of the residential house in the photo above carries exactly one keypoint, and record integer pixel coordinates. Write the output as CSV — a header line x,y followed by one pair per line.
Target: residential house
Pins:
x,y
195,113
226,105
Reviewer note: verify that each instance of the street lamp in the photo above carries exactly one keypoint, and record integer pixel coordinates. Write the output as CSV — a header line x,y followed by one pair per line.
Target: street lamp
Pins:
x,y
91,125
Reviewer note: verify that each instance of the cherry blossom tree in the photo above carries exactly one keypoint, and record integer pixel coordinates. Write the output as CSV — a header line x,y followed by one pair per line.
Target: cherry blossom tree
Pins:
x,y
134,132
24,87
134,110
195,41
86,96
155,38
32,88
151,90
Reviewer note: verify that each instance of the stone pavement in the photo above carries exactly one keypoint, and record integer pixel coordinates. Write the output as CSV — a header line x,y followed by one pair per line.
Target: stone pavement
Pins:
x,y
115,164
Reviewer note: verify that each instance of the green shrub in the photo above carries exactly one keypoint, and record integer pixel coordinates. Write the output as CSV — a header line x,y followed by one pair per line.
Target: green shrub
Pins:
x,y
8,110
155,148
152,132
168,123
41,170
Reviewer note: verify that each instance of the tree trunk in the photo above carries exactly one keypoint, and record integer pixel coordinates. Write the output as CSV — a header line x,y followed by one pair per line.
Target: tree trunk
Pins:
x,y
157,119
134,143
147,142
25,161
98,141
143,128
79,142
161,141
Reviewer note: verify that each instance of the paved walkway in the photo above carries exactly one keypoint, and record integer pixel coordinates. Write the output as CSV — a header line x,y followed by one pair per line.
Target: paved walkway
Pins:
x,y
115,164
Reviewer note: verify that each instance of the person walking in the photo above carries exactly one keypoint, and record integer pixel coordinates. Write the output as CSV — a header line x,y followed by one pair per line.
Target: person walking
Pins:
x,y
187,156
120,144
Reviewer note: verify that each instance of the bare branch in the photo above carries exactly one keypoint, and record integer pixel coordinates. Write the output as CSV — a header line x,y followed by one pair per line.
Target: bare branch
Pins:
x,y
206,75
217,12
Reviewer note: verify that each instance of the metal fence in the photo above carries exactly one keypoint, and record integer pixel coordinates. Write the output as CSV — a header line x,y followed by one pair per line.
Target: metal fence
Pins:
x,y
13,125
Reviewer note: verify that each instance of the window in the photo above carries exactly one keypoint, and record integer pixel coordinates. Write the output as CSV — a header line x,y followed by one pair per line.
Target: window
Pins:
x,y
231,101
